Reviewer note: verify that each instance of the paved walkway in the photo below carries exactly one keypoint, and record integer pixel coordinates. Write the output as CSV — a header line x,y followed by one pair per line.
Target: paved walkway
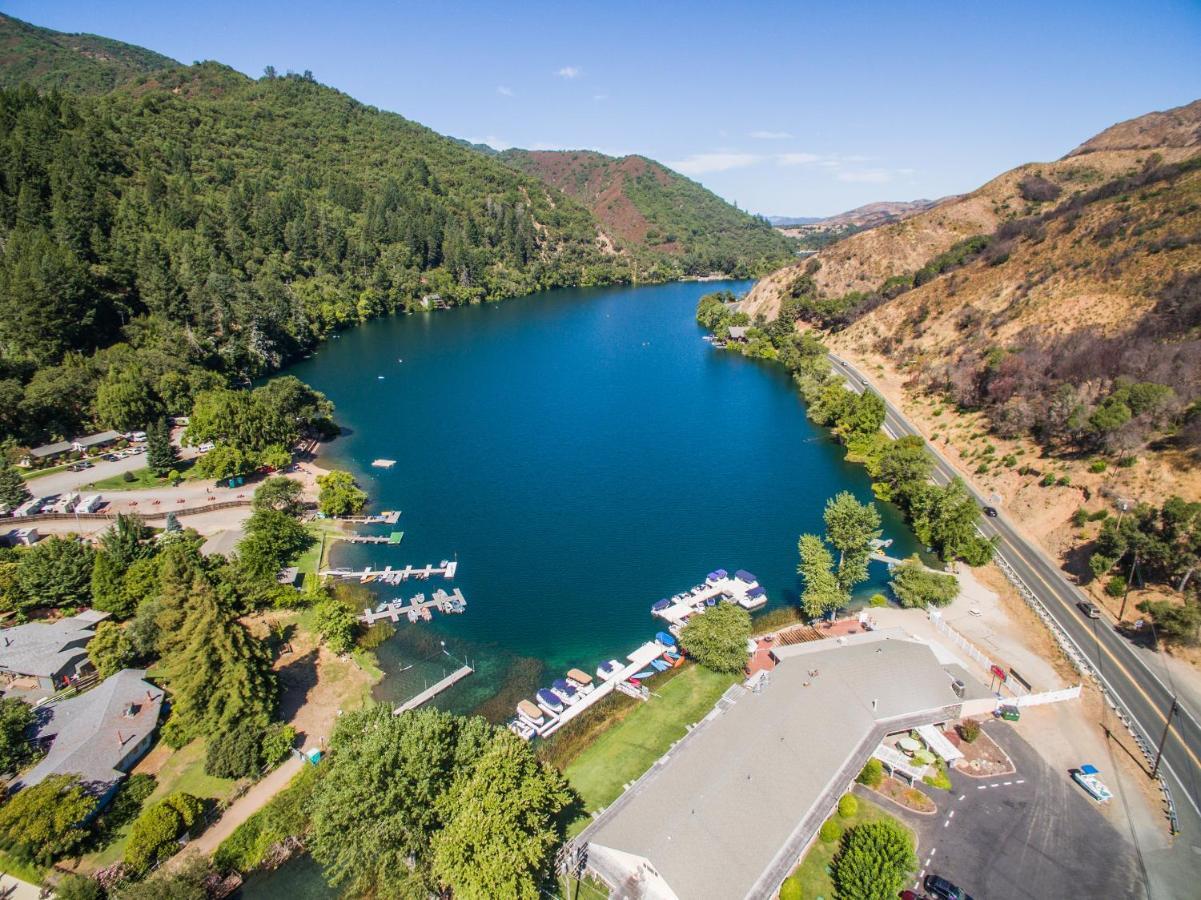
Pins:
x,y
245,807
12,888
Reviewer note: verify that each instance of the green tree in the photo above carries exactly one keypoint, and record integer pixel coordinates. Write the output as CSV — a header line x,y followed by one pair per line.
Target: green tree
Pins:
x,y
945,518
336,622
110,650
234,753
127,540
45,821
339,495
281,494
916,586
156,830
15,718
851,527
125,401
57,572
717,639
822,594
78,887
1178,623
107,577
161,455
224,461
901,469
217,672
186,881
13,491
273,539
874,863
503,824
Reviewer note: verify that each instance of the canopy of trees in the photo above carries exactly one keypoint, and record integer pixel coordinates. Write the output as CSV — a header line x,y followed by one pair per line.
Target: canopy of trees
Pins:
x,y
916,586
717,638
874,862
339,495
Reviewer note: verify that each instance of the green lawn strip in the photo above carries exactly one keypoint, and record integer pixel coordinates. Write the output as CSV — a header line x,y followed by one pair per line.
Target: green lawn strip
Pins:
x,y
813,874
623,752
312,559
143,479
18,869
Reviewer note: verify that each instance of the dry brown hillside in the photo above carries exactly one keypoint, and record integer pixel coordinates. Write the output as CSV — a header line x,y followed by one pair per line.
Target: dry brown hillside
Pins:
x,y
1179,127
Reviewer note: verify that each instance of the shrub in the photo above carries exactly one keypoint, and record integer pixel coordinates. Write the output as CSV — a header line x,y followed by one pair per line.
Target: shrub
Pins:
x,y
234,753
969,730
878,600
872,774
792,889
1063,480
876,860
1048,480
1098,465
78,887
831,831
847,806
128,477
153,834
277,744
1080,517
1127,461
1116,586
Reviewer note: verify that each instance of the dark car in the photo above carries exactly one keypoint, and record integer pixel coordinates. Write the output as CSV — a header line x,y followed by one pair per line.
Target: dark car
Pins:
x,y
941,889
990,511
1089,609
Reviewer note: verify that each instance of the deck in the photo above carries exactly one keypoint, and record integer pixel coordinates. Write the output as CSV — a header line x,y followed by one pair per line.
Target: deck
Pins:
x,y
388,575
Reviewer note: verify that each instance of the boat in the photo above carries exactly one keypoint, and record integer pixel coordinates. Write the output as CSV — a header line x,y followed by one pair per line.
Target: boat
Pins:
x,y
1086,777
647,674
660,665
660,604
581,678
634,682
746,577
710,601
564,690
665,639
549,701
383,463
606,671
523,729
530,712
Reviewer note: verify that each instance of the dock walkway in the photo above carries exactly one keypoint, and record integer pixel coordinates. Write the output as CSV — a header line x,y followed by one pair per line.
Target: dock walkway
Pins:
x,y
416,608
389,575
387,517
434,690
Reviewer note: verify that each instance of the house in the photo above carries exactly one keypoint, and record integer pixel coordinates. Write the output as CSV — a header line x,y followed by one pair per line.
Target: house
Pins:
x,y
730,810
738,333
91,442
46,453
100,734
49,652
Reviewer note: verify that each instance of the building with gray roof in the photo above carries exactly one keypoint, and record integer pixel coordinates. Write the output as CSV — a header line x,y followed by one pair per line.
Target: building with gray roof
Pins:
x,y
100,734
49,652
730,809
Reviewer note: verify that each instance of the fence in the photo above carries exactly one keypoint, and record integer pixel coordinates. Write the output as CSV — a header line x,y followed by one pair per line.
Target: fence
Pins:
x,y
151,513
971,650
1084,667
1060,696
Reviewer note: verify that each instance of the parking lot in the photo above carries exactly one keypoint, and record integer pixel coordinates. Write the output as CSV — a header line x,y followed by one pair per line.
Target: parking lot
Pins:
x,y
1033,834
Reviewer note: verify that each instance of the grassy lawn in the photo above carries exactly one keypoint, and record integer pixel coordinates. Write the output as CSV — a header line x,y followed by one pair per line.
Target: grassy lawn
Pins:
x,y
315,557
628,748
18,869
813,874
143,479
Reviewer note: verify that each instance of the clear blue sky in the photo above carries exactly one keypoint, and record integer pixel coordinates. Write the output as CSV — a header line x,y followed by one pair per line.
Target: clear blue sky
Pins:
x,y
787,108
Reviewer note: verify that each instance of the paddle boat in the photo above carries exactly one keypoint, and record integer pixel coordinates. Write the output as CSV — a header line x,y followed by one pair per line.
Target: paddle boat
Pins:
x,y
530,712
640,675
667,640
549,701
581,680
565,691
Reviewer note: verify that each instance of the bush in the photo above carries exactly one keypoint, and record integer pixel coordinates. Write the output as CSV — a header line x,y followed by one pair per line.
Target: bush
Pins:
x,y
154,834
78,887
878,600
277,744
969,730
1037,189
875,861
128,477
234,753
1116,586
792,889
847,806
1097,466
1048,480
1063,480
831,831
1080,517
872,774
1127,461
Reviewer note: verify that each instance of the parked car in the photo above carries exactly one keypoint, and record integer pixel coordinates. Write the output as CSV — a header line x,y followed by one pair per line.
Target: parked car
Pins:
x,y
1089,609
137,436
79,466
941,889
109,457
990,511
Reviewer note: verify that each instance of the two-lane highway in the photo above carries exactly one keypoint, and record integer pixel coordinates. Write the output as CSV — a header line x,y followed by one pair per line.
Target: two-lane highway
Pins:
x,y
1145,697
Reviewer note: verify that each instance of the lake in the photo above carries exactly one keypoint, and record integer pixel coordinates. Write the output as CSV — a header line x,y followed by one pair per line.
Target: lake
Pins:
x,y
582,453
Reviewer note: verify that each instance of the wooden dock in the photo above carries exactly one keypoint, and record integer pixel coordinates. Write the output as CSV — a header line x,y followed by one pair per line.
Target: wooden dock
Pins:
x,y
387,517
388,575
434,690
394,538
418,608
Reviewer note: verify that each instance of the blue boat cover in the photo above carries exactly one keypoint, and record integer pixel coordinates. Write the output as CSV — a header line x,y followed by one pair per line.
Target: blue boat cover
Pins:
x,y
660,604
756,592
710,601
559,684
666,639
721,573
744,575
1087,769
548,698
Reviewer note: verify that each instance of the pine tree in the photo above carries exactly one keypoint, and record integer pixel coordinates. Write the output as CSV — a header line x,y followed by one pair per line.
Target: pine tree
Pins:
x,y
218,673
13,491
160,452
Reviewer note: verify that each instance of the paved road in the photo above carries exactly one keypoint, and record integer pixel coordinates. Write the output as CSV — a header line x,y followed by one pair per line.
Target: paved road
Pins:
x,y
1145,696
65,481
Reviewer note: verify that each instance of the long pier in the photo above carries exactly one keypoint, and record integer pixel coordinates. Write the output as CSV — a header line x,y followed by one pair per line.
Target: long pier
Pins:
x,y
416,608
387,517
389,575
434,690
394,538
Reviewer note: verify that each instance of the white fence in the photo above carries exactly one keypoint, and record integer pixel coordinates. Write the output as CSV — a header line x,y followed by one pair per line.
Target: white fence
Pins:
x,y
972,650
1060,696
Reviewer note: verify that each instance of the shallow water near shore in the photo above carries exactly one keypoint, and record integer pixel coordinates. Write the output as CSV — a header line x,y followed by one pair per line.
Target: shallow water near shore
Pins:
x,y
582,453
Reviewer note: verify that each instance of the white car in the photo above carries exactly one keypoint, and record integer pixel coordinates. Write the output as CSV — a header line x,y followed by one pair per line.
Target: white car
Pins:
x,y
138,437
206,447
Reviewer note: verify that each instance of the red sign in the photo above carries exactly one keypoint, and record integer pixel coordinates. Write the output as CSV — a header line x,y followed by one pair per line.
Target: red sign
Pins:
x,y
998,672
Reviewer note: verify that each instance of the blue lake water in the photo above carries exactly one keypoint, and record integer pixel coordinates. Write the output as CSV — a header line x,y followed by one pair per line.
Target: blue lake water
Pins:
x,y
582,453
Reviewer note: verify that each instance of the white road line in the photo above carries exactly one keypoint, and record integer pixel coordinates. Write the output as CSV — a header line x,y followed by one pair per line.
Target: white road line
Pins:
x,y
933,850
1020,781
981,787
952,815
961,796
946,823
995,784
1008,783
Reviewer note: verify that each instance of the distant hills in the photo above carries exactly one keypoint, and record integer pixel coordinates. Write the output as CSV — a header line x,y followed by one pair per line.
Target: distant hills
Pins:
x,y
82,63
642,204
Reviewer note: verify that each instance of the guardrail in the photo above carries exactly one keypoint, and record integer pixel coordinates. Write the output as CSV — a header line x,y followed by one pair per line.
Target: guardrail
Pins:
x,y
1078,660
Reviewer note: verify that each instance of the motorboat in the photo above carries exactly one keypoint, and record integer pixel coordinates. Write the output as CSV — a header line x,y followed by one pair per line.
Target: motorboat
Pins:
x,y
607,671
581,680
565,691
530,712
666,639
549,701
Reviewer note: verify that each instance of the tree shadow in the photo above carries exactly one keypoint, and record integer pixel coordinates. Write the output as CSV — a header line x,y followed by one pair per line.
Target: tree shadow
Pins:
x,y
297,680
1076,563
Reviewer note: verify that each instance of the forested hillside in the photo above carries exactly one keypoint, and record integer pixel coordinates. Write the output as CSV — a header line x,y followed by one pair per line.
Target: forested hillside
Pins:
x,y
662,217
198,226
84,63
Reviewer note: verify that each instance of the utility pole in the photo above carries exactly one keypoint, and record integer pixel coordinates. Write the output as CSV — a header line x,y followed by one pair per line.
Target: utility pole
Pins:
x,y
1163,740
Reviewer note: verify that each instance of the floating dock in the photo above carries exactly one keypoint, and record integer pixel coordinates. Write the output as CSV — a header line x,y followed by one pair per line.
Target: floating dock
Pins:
x,y
418,608
387,517
718,587
394,538
388,575
434,690
383,463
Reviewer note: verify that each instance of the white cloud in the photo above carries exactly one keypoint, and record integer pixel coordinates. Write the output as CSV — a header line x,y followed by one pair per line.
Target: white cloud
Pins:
x,y
599,98
700,163
504,91
797,159
865,176
770,135
570,72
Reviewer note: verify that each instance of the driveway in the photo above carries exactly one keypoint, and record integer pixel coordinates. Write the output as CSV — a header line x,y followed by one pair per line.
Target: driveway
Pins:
x,y
66,481
1033,834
